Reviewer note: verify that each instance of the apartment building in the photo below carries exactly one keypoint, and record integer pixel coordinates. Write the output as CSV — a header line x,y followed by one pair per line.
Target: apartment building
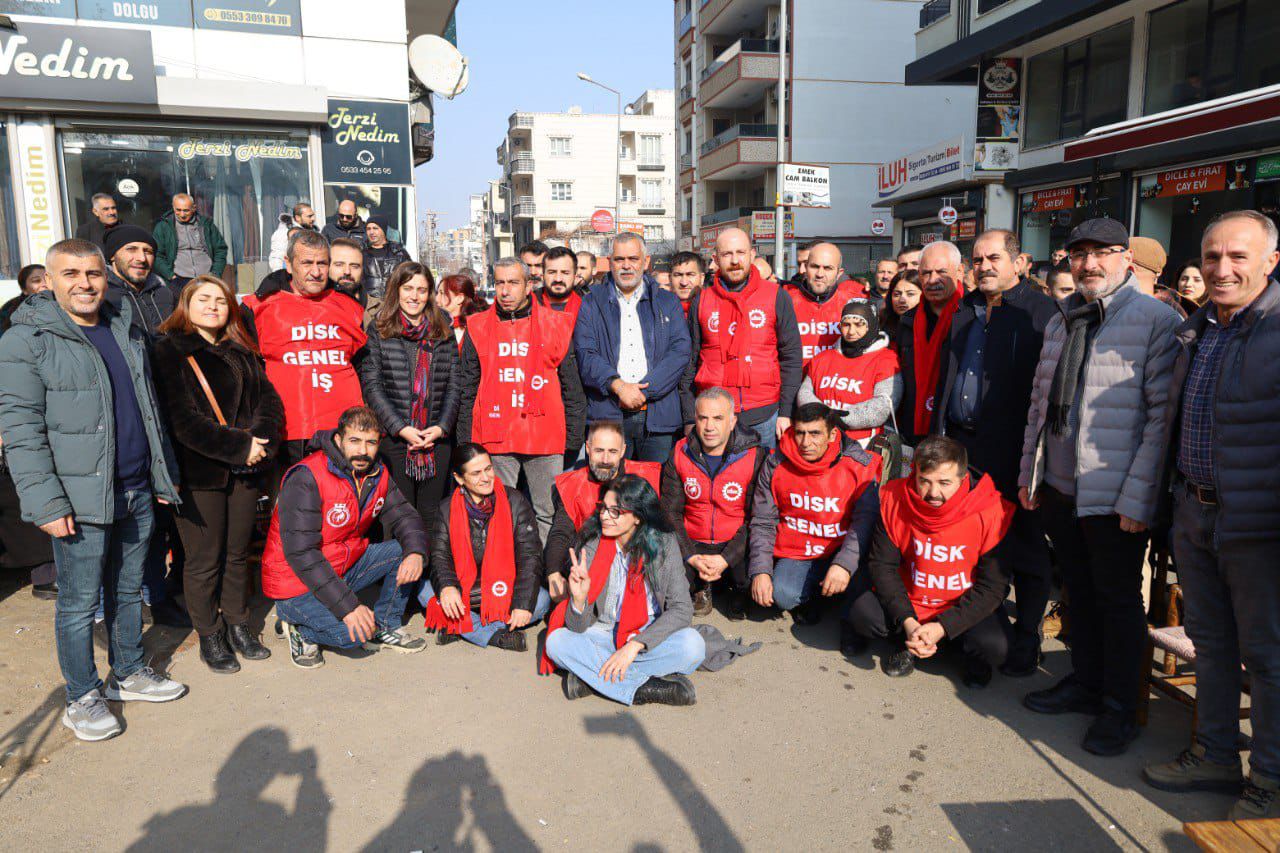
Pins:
x,y
560,168
1161,113
846,107
458,249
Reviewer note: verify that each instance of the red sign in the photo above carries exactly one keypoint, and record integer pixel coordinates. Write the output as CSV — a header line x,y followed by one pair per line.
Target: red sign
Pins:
x,y
878,227
1061,198
602,221
948,215
1201,179
965,229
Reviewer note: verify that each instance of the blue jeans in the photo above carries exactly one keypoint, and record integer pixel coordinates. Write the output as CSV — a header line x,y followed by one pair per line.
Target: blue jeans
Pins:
x,y
481,634
794,581
642,445
584,653
317,623
768,432
106,557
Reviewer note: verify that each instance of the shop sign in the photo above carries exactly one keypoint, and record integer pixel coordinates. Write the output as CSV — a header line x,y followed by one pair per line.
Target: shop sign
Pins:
x,y
243,152
1267,168
602,221
948,215
1000,80
127,187
1058,198
921,170
1199,179
632,226
928,237
709,233
878,227
39,190
367,142
999,114
278,17
762,225
806,186
43,8
162,12
965,229
61,63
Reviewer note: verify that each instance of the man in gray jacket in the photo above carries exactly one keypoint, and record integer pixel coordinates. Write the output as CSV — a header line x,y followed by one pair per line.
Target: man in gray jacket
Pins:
x,y
1225,470
87,451
1092,457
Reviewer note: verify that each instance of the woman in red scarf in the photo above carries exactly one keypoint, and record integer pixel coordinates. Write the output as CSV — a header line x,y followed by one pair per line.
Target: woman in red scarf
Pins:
x,y
624,632
486,560
931,565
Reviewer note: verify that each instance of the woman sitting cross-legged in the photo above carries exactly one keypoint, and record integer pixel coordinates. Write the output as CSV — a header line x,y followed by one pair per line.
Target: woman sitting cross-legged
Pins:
x,y
486,560
624,631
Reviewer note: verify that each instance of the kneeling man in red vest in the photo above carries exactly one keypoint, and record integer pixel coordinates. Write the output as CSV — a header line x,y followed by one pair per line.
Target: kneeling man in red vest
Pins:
x,y
486,560
815,503
932,566
577,494
318,554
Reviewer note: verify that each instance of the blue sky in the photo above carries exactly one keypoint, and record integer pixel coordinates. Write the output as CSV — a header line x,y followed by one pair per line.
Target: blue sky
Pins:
x,y
526,56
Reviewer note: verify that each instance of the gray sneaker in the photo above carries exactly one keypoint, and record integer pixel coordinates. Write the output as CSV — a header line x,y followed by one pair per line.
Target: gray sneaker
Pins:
x,y
90,718
145,685
304,654
397,640
1192,771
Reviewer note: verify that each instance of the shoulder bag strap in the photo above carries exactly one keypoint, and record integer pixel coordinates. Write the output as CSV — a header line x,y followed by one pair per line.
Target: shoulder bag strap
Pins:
x,y
208,392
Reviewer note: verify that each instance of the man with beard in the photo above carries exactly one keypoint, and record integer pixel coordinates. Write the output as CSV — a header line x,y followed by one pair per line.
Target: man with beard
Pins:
x,y
577,493
346,270
819,298
886,269
188,244
688,271
586,271
559,273
923,334
745,340
533,254
304,217
381,257
105,216
708,485
346,224
982,405
131,253
318,554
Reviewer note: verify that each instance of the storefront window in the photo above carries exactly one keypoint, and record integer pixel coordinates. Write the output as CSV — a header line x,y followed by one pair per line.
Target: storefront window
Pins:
x,y
243,183
391,202
1049,215
1205,49
10,254
1077,87
1175,206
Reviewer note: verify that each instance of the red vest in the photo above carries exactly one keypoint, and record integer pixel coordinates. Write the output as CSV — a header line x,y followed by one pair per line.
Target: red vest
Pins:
x,y
814,508
308,344
760,310
841,382
511,422
820,321
343,526
714,510
571,306
580,494
938,559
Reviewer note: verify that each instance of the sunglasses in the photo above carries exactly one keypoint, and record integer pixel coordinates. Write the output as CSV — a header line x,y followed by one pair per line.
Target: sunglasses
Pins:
x,y
614,512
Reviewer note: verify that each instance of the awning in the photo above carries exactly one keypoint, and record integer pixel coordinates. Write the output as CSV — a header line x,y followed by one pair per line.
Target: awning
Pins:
x,y
1231,112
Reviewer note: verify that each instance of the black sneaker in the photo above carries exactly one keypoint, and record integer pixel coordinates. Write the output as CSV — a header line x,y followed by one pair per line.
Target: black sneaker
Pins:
x,y
45,591
852,644
1068,696
1111,733
512,641
444,638
739,601
305,654
702,603
398,640
666,690
809,613
899,664
977,672
575,687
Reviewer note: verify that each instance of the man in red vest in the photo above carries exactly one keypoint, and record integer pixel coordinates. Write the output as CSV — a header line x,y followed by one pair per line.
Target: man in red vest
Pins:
x,y
811,517
819,298
309,336
932,565
559,273
522,400
318,554
707,488
924,335
745,340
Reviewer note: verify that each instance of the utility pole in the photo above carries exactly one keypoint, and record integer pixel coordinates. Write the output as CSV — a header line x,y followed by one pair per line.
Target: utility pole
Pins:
x,y
779,213
430,254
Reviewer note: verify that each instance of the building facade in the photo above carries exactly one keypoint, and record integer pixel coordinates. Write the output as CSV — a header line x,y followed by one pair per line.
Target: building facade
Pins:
x,y
1160,113
846,107
247,105
559,169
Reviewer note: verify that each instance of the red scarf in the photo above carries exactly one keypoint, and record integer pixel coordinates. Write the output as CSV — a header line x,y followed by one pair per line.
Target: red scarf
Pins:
x,y
632,615
735,334
928,357
498,572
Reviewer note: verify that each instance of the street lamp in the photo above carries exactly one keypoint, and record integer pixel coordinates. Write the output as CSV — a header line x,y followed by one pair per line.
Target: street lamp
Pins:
x,y
617,153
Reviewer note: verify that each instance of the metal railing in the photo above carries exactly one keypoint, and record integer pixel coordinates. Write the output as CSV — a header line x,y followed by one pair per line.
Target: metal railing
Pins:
x,y
522,163
521,121
738,130
686,161
739,46
934,10
686,92
649,164
729,214
686,24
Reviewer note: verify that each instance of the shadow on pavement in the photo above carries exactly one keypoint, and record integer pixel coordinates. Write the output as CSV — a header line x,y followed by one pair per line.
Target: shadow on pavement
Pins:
x,y
710,828
1022,823
21,745
239,818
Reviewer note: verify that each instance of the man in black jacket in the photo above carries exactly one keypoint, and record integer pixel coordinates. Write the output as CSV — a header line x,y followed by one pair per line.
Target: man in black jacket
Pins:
x,y
987,371
104,216
345,223
318,554
131,254
381,257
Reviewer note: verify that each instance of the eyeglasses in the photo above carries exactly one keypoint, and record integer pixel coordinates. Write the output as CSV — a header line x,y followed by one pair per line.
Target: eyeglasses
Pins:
x,y
614,512
1077,256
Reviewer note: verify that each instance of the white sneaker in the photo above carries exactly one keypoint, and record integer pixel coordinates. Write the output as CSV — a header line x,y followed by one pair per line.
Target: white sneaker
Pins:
x,y
90,718
145,685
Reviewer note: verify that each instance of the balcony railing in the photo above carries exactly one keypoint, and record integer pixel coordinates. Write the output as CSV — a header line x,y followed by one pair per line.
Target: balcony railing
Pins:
x,y
686,92
934,10
686,24
649,164
521,121
523,207
686,161
740,46
738,130
522,163
729,214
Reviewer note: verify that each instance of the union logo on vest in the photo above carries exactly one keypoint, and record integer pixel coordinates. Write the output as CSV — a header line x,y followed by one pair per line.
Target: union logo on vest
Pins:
x,y
731,491
338,515
691,488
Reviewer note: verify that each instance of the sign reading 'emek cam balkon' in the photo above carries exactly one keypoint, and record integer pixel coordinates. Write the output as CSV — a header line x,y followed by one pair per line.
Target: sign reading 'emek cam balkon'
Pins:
x,y
59,63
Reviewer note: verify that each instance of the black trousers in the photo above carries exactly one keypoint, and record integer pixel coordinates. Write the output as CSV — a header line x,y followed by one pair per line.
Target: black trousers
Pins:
x,y
425,495
989,639
734,576
25,545
1102,572
216,526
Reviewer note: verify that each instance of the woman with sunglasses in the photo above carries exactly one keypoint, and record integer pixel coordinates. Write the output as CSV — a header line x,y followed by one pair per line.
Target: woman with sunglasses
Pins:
x,y
624,632
860,377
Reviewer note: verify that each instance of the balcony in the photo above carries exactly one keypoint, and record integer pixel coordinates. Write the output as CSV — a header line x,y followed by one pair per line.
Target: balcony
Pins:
x,y
645,210
685,110
649,164
686,162
742,151
740,75
521,121
729,214
724,17
502,154
686,92
934,10
522,164
684,33
523,208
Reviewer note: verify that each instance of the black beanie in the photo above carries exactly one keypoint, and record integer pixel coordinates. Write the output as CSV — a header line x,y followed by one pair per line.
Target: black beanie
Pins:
x,y
122,235
381,221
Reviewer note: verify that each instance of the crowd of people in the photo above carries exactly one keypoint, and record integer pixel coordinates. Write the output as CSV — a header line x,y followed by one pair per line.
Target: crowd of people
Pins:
x,y
613,453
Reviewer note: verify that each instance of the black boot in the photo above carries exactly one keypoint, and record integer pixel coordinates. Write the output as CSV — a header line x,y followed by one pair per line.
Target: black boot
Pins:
x,y
45,591
666,690
1068,696
739,601
246,643
575,687
1024,659
899,664
217,655
852,644
977,672
444,638
512,641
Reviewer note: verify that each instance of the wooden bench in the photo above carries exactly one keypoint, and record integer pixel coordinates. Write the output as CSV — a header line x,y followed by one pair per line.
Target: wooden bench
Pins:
x,y
1229,836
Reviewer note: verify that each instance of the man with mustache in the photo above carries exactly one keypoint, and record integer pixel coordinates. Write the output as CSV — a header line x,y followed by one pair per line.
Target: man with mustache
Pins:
x,y
559,274
346,269
982,405
923,334
131,253
746,340
318,554
188,244
1092,459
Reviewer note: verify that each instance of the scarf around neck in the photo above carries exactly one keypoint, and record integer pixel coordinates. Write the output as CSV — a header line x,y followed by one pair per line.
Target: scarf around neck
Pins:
x,y
1066,375
420,464
927,350
497,572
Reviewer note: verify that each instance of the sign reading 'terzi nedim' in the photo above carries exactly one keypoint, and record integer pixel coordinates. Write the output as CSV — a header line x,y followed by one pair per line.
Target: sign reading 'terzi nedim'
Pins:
x,y
367,142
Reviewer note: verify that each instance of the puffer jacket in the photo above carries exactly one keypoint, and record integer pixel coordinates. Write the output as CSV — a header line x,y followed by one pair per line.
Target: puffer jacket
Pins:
x,y
379,264
1246,413
55,413
386,377
151,304
528,552
1124,405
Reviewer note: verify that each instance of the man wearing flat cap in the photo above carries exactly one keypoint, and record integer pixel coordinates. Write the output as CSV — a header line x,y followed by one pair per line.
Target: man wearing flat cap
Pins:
x,y
1149,261
131,256
1092,461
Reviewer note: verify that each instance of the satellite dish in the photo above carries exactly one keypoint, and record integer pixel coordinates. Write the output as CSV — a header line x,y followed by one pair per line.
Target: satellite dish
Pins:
x,y
439,65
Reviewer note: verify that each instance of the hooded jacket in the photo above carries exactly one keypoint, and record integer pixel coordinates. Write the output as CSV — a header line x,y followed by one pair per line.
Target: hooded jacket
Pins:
x,y
166,234
151,304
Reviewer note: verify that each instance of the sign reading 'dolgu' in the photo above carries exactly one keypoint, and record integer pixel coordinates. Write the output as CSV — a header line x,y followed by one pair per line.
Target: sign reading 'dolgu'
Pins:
x,y
55,63
367,142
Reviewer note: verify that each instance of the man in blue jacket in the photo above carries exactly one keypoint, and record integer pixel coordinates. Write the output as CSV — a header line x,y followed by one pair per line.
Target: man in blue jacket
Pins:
x,y
632,345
